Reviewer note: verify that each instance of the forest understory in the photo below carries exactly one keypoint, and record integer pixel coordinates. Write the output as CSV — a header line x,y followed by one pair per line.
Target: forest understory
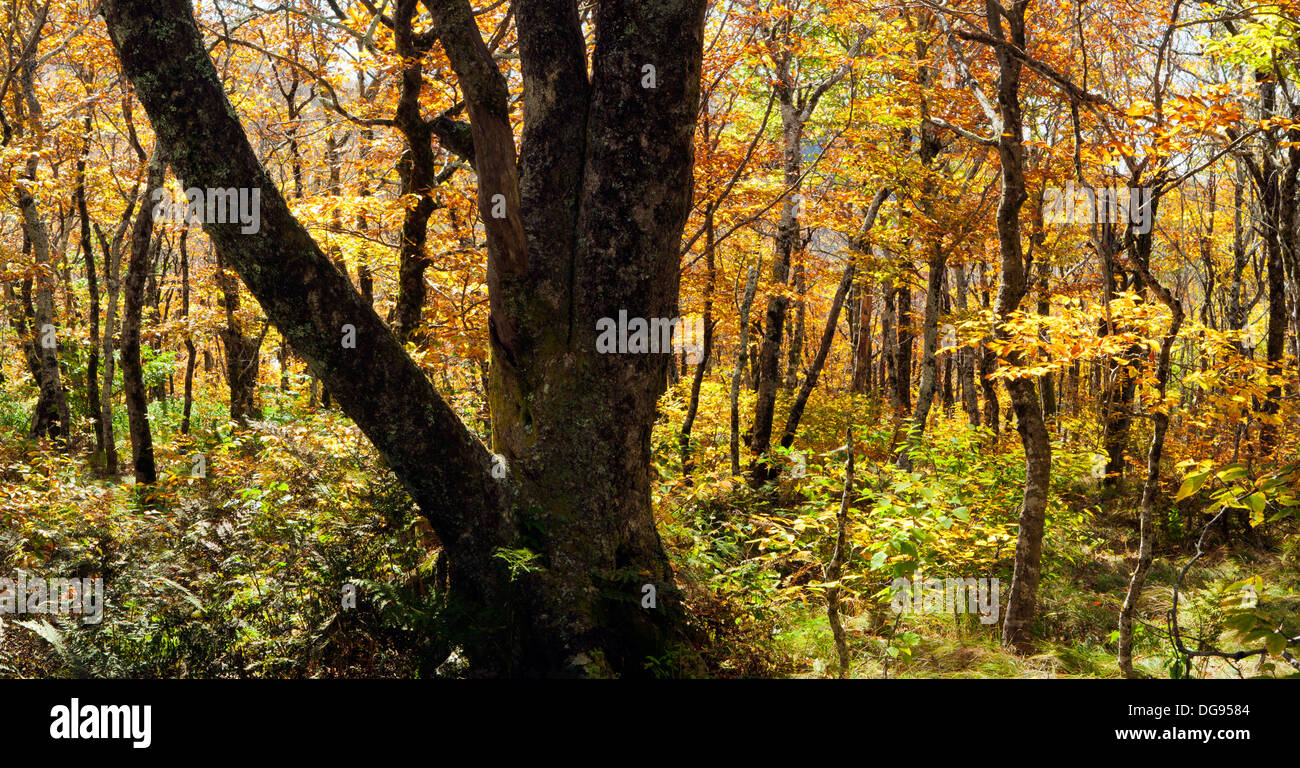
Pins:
x,y
239,574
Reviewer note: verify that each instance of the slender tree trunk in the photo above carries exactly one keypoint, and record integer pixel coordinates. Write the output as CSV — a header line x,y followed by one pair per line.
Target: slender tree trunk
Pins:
x,y
1044,310
929,349
823,351
1022,601
1160,425
988,362
133,388
92,288
836,566
966,355
242,350
794,360
697,380
50,418
862,379
191,354
903,348
746,305
769,375
889,343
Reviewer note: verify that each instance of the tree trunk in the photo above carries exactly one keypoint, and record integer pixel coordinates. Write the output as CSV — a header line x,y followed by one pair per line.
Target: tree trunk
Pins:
x,y
593,214
746,305
929,348
242,350
133,389
50,418
903,348
839,557
966,356
862,379
92,288
1160,425
889,343
697,380
1022,601
191,354
823,351
794,359
769,375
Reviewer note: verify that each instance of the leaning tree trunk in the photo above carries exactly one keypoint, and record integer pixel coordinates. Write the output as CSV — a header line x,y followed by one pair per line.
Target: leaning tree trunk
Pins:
x,y
814,372
590,221
832,321
697,380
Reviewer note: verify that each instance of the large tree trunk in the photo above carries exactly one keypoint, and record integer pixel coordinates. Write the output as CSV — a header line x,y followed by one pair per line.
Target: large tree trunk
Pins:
x,y
591,226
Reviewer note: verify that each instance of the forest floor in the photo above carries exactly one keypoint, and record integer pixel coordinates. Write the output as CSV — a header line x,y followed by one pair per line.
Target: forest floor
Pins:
x,y
1078,614
240,565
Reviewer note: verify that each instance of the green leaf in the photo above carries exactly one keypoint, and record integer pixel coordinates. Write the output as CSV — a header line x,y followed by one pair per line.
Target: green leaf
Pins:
x,y
1232,472
1191,484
